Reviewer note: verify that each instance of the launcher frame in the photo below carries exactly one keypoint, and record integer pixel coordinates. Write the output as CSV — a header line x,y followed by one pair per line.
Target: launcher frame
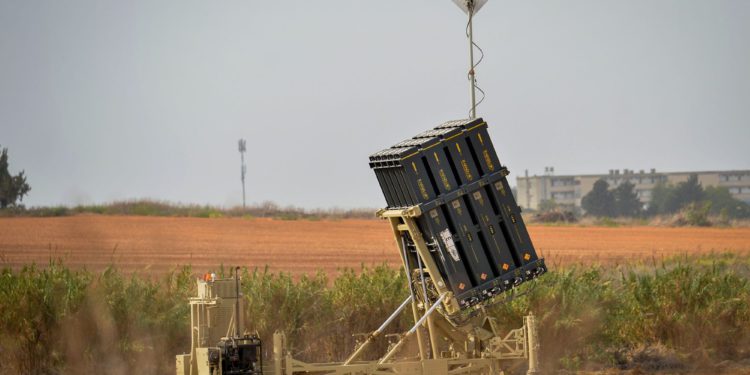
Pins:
x,y
454,341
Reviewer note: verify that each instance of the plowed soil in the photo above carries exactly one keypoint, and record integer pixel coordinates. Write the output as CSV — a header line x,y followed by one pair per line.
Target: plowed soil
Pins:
x,y
156,245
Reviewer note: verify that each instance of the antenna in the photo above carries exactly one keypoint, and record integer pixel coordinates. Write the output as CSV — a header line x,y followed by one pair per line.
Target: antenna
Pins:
x,y
243,168
471,7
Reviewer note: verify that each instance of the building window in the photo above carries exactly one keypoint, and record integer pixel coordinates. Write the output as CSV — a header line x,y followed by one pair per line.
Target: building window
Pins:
x,y
723,178
563,182
735,190
563,195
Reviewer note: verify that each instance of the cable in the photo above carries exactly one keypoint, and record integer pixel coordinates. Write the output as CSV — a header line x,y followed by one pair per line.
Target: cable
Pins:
x,y
472,73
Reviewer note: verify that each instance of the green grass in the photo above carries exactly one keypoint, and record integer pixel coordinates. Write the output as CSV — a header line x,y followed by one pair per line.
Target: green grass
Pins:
x,y
690,311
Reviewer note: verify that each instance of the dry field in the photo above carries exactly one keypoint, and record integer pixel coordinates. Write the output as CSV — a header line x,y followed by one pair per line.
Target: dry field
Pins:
x,y
158,244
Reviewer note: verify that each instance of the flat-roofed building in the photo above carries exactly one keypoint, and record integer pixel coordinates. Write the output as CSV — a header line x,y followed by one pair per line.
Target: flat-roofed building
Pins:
x,y
570,189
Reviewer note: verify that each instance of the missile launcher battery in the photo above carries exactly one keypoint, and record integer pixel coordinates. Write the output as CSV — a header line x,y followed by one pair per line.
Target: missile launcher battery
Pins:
x,y
469,217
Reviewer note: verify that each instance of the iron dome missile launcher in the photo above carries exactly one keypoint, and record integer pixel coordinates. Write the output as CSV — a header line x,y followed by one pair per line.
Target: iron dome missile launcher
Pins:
x,y
451,182
464,247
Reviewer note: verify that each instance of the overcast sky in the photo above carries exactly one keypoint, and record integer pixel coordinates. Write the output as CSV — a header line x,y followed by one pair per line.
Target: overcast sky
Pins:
x,y
110,100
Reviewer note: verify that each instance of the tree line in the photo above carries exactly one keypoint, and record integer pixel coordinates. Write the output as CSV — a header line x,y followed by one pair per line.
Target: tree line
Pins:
x,y
666,199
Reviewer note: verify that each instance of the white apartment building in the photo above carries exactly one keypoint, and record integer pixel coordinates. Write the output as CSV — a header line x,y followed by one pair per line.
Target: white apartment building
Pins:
x,y
569,189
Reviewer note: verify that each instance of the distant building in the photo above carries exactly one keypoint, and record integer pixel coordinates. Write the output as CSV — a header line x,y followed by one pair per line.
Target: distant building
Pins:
x,y
569,189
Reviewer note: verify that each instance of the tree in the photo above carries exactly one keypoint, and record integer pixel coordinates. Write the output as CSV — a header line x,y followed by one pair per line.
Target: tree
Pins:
x,y
723,203
626,200
691,196
663,200
599,201
12,188
667,199
689,191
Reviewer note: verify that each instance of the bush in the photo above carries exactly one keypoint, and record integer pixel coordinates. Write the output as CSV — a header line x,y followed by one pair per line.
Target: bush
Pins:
x,y
558,216
34,303
696,214
697,309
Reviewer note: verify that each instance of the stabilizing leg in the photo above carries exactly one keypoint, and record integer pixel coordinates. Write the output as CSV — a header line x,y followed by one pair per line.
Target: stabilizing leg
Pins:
x,y
531,334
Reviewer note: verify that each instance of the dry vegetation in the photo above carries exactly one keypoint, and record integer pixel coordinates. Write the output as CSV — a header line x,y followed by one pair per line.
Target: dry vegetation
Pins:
x,y
682,315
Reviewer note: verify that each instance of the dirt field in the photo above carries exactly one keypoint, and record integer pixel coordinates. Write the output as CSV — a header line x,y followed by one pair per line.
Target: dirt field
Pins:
x,y
158,244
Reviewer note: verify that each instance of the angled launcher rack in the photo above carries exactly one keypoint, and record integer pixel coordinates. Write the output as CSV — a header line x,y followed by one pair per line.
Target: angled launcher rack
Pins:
x,y
454,216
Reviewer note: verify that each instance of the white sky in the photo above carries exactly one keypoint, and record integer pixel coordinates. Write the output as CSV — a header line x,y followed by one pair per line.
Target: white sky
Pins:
x,y
109,100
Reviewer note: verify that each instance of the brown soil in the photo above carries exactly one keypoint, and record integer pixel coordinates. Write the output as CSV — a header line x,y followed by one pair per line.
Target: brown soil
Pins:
x,y
158,244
